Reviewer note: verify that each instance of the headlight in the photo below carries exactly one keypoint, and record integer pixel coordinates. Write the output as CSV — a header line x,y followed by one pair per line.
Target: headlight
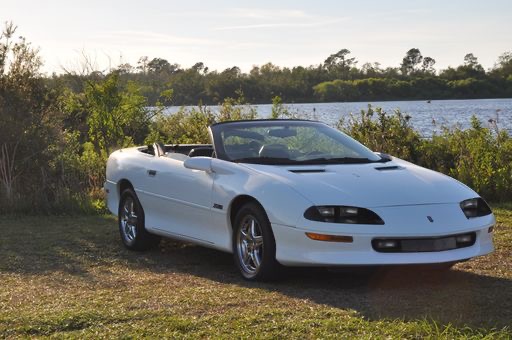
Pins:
x,y
475,207
342,214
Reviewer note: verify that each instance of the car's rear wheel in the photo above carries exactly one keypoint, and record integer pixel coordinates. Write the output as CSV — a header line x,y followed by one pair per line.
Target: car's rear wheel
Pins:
x,y
131,223
254,246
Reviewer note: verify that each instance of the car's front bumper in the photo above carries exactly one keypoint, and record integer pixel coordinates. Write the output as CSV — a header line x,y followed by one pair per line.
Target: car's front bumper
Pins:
x,y
294,248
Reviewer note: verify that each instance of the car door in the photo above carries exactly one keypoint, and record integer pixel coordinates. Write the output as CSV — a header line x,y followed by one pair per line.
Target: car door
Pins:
x,y
181,199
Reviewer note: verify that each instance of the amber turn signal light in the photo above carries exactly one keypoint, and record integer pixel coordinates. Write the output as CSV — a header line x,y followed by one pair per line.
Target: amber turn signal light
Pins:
x,y
330,238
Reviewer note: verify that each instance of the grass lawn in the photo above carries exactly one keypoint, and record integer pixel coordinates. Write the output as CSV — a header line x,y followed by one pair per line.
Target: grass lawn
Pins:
x,y
71,277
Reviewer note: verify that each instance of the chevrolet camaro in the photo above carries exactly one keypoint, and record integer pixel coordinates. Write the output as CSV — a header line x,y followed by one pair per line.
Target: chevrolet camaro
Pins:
x,y
294,193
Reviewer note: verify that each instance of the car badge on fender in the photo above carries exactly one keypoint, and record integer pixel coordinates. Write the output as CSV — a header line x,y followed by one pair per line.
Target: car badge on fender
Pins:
x,y
430,219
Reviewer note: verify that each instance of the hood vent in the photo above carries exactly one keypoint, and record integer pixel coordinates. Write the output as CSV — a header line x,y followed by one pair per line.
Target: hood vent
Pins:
x,y
388,168
306,171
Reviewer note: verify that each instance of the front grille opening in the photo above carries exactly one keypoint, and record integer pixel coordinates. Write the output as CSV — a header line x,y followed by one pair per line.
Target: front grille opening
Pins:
x,y
428,244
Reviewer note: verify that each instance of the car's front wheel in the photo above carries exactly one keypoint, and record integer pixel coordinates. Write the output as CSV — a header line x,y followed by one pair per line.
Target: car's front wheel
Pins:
x,y
254,246
131,223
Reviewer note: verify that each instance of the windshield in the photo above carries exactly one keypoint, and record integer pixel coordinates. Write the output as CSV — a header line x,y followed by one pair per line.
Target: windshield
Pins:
x,y
287,142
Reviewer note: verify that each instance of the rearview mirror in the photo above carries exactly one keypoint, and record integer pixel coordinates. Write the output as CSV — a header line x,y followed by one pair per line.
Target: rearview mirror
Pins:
x,y
199,163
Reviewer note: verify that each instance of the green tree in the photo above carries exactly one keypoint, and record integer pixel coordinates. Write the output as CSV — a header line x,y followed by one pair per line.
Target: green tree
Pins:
x,y
159,65
471,61
116,117
428,65
340,64
412,58
29,125
503,67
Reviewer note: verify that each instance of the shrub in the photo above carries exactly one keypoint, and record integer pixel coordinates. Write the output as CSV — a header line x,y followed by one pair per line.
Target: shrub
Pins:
x,y
479,157
382,132
190,125
30,126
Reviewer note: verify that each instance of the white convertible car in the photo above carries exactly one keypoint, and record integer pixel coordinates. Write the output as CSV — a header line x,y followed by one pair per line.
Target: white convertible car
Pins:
x,y
294,193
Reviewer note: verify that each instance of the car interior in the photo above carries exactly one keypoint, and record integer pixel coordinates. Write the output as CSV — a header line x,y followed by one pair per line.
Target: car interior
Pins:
x,y
177,151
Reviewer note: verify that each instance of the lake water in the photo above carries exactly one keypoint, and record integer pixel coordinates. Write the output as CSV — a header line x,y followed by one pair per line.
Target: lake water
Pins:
x,y
425,117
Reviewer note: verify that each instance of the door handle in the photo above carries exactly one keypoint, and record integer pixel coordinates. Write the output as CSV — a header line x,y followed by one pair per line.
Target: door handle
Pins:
x,y
152,173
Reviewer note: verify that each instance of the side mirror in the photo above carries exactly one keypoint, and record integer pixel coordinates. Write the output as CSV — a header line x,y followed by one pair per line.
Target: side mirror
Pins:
x,y
199,163
384,156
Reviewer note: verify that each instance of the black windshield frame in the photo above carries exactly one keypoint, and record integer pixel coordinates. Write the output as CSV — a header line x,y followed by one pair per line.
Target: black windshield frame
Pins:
x,y
216,131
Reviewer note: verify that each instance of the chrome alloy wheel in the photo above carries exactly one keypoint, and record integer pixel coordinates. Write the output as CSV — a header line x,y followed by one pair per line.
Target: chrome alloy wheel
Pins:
x,y
250,245
129,220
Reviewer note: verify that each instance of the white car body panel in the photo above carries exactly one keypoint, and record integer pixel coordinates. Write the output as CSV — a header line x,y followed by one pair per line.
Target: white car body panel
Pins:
x,y
296,250
172,202
195,206
363,185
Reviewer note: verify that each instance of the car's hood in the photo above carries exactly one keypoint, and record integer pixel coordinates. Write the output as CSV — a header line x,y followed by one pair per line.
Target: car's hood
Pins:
x,y
369,185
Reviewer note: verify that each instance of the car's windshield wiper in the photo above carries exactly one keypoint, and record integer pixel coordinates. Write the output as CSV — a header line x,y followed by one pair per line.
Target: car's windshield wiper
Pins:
x,y
267,160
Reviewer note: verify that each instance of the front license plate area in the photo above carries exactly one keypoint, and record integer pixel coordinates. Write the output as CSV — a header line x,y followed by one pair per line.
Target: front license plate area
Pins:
x,y
429,244
412,245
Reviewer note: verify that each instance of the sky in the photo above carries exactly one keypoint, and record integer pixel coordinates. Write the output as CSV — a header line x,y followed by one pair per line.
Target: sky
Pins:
x,y
223,34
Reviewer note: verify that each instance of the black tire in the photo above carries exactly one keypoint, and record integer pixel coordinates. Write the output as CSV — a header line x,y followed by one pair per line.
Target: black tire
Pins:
x,y
244,243
131,223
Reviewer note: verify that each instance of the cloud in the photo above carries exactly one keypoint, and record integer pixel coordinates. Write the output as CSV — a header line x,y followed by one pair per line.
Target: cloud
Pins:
x,y
281,24
259,13
258,18
399,13
242,13
154,37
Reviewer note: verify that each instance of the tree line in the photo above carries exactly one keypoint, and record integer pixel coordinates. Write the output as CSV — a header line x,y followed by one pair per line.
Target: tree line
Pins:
x,y
338,78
